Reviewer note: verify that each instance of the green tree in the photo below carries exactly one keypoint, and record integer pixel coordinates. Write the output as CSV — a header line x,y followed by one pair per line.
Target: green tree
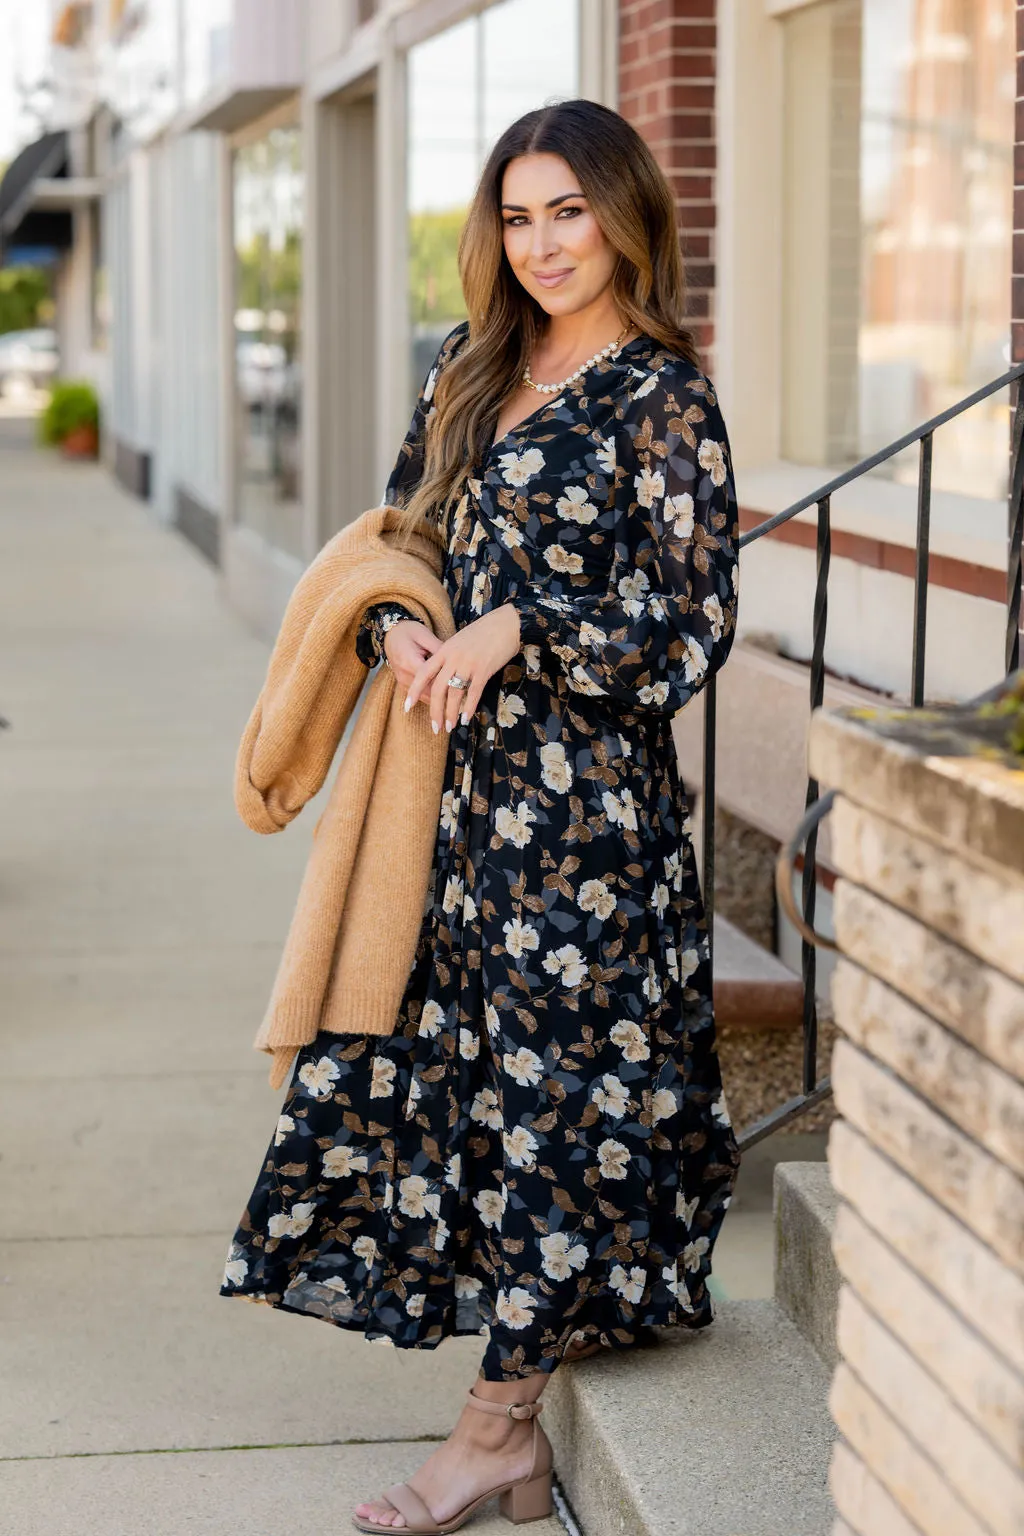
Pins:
x,y
269,278
24,293
435,290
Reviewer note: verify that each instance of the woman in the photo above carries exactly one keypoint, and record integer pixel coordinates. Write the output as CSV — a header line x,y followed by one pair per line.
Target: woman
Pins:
x,y
541,1150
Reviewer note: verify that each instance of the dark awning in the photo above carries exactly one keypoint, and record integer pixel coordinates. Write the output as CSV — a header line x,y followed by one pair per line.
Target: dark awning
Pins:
x,y
21,223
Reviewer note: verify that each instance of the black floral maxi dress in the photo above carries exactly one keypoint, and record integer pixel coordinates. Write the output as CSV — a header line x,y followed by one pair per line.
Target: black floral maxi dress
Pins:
x,y
542,1150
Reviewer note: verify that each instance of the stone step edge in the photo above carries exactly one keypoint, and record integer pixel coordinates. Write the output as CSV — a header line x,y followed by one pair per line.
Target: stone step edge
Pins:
x,y
754,989
725,1432
806,1274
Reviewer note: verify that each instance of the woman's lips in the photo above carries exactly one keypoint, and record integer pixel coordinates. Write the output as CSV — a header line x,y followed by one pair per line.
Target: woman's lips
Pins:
x,y
552,279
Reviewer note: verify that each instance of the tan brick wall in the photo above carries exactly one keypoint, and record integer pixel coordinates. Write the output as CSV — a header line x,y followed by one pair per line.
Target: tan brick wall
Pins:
x,y
667,62
927,1156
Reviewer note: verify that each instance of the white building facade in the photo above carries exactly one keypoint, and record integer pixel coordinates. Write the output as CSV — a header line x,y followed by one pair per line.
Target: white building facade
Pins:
x,y
269,196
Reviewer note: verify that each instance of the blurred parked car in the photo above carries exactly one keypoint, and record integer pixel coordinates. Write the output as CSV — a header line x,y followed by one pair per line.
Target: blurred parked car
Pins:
x,y
28,360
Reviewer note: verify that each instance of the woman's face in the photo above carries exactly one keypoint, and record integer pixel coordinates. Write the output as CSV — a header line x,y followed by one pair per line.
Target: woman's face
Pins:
x,y
553,241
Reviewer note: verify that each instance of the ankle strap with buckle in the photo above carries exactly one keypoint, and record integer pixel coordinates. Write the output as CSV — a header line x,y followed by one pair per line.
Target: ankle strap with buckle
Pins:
x,y
505,1410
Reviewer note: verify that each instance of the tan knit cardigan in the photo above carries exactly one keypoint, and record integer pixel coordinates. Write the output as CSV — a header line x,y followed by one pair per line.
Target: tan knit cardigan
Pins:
x,y
360,907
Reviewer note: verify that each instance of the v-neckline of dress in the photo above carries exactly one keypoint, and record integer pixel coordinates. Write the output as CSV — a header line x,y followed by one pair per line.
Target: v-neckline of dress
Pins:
x,y
549,404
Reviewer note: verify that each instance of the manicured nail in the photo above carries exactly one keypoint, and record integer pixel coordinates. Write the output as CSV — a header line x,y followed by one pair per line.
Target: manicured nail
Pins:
x,y
434,727
408,703
464,718
448,724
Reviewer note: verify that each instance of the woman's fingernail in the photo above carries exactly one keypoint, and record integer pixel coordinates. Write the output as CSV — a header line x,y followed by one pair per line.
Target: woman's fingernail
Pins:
x,y
408,704
434,727
464,718
448,724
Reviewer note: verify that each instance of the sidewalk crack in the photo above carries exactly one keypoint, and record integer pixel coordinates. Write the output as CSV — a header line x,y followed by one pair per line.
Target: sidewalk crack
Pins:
x,y
256,1445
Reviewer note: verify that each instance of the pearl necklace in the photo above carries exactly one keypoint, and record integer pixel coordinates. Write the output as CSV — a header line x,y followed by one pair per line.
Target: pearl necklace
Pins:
x,y
556,389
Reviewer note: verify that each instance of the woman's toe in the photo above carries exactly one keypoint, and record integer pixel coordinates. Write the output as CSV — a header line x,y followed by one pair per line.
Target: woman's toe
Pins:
x,y
381,1513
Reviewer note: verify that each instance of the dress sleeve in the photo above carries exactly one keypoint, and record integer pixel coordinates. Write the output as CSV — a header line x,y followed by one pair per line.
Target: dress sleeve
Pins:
x,y
376,623
408,469
666,621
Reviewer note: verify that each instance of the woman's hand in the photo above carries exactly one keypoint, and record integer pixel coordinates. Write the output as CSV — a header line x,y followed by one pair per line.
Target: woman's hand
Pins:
x,y
474,654
407,645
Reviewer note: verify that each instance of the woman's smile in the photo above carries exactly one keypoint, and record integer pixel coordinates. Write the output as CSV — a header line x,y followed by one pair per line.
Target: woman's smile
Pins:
x,y
553,279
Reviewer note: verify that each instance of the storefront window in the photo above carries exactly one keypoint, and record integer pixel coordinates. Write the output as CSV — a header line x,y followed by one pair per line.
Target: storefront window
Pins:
x,y
937,129
268,276
465,86
899,131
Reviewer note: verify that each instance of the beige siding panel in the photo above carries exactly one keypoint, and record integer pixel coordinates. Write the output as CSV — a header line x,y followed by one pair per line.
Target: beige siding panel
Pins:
x,y
983,1006
970,1183
933,1243
981,911
986,1482
971,807
870,1508
986,1103
976,1376
914,1482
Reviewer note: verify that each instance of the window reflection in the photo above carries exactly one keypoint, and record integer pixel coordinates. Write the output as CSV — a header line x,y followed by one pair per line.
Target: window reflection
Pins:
x,y
937,129
464,88
268,278
206,45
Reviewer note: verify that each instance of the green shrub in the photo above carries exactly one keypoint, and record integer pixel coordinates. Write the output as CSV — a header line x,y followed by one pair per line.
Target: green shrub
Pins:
x,y
72,404
24,298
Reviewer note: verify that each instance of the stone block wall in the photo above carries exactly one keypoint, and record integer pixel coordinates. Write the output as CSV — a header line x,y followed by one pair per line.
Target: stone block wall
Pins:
x,y
927,1156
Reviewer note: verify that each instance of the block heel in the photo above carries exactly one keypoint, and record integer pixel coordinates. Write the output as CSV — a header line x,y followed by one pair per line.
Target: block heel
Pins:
x,y
528,1501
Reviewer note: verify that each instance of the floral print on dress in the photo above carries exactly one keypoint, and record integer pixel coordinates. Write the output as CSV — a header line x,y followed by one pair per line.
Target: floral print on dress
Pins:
x,y
542,1150
376,623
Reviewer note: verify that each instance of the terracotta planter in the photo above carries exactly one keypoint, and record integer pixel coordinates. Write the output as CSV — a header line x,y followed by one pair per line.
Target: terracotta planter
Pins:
x,y
82,443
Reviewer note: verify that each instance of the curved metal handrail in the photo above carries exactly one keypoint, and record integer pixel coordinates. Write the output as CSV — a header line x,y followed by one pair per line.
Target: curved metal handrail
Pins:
x,y
785,869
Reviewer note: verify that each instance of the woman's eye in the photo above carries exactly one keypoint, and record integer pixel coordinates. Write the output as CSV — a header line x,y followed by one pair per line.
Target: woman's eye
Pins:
x,y
570,208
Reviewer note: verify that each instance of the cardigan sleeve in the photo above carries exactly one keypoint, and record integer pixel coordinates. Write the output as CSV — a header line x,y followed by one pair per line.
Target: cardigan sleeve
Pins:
x,y
666,622
408,468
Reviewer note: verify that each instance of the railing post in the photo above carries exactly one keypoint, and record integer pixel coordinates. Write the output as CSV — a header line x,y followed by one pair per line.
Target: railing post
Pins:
x,y
924,517
809,878
708,816
814,1092
1016,536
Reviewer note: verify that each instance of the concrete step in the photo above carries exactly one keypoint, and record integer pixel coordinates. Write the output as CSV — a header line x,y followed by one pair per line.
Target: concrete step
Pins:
x,y
806,1275
721,1433
754,989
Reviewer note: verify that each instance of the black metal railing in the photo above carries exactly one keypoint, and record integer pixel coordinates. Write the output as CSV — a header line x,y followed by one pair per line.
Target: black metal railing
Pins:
x,y
814,1091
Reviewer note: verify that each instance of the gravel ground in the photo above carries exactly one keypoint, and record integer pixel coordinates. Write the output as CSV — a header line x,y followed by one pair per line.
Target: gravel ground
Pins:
x,y
761,1069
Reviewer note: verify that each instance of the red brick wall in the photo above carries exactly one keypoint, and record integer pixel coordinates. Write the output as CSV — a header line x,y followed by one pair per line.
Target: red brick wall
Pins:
x,y
667,91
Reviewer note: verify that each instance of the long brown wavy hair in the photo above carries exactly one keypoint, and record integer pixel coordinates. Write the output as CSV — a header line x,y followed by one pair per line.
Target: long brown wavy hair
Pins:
x,y
632,203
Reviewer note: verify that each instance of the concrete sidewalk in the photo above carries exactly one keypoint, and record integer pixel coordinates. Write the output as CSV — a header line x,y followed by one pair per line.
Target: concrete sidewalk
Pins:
x,y
140,925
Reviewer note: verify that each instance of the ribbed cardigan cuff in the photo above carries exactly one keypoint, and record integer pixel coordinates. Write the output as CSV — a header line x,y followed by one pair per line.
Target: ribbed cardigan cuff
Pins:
x,y
289,1024
281,1066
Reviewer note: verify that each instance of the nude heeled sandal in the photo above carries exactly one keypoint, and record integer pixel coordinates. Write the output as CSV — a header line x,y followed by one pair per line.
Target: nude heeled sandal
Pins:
x,y
527,1499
